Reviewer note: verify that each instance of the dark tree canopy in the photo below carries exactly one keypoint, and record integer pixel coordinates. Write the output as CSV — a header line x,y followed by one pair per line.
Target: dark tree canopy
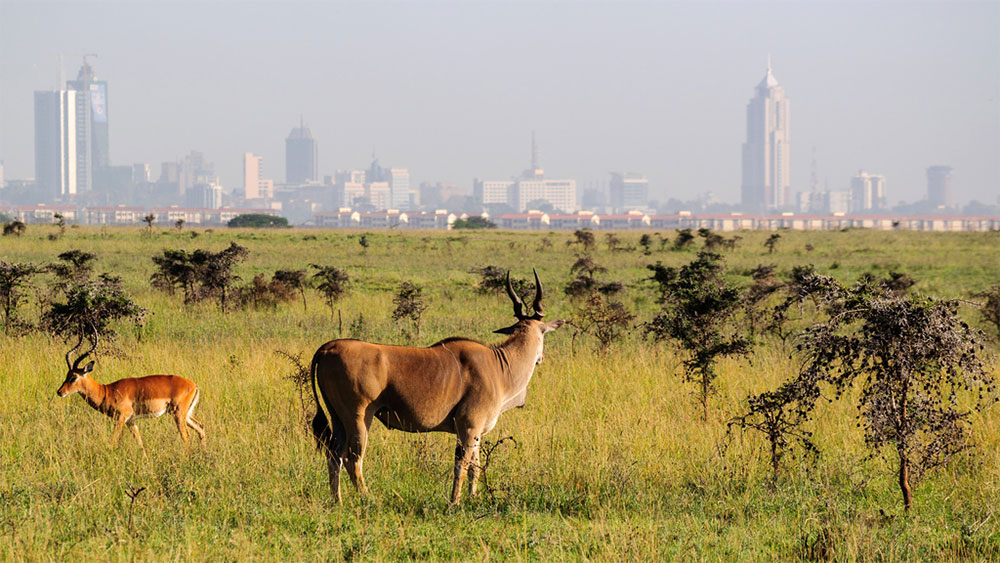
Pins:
x,y
331,282
410,305
474,222
258,221
89,309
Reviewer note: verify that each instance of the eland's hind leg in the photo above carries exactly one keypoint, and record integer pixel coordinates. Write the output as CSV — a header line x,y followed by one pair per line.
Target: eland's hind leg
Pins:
x,y
332,440
357,442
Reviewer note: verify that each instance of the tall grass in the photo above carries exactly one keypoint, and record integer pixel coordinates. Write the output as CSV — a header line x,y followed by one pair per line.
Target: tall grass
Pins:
x,y
611,459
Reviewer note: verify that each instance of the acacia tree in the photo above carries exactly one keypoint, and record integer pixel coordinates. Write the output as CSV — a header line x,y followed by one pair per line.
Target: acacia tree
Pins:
x,y
331,282
201,274
76,267
697,306
771,242
295,280
683,239
493,280
780,415
990,310
587,283
15,227
584,238
409,302
217,275
13,277
60,222
149,220
175,269
913,357
89,309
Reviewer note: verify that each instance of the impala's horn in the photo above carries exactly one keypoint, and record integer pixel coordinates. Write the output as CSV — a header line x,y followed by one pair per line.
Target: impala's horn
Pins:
x,y
537,305
69,362
518,305
93,347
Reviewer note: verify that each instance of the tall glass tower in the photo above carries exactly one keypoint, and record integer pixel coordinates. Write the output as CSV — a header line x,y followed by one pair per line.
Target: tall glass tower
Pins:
x,y
301,156
92,155
766,152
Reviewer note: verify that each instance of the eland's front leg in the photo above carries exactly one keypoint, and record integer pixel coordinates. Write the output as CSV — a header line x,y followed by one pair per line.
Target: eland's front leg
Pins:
x,y
466,450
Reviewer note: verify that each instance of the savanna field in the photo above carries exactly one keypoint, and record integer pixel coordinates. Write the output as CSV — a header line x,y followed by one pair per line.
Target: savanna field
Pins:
x,y
610,457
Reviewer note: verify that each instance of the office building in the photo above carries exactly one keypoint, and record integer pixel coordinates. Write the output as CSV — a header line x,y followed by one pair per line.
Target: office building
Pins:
x,y
867,192
253,168
57,172
628,192
939,186
301,156
766,152
91,129
399,188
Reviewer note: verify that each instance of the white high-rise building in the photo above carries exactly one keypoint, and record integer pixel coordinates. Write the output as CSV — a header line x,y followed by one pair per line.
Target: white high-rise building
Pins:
x,y
56,170
399,188
253,167
629,192
867,192
488,192
766,152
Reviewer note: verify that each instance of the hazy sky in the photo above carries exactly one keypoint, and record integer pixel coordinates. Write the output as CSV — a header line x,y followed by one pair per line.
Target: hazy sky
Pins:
x,y
452,90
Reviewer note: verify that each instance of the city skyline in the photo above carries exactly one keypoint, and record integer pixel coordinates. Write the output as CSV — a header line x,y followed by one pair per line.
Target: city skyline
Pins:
x,y
428,106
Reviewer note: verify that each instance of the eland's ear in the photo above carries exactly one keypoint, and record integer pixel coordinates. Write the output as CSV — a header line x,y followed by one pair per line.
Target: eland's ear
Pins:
x,y
549,327
89,367
506,330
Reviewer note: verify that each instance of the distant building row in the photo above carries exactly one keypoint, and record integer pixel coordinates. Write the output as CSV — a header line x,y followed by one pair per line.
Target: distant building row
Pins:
x,y
123,215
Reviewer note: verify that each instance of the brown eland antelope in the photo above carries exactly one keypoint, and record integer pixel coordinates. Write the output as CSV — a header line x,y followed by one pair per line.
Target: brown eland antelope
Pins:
x,y
135,397
457,385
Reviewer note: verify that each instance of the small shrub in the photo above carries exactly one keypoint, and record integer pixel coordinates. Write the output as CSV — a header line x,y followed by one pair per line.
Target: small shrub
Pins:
x,y
331,282
772,242
409,302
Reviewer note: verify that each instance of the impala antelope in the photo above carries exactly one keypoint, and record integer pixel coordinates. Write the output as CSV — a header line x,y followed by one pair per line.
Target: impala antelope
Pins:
x,y
127,399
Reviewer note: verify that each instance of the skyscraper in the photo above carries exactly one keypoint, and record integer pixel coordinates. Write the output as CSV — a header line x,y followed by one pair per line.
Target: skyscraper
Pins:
x,y
92,145
629,191
253,166
867,192
301,156
939,186
57,172
766,152
399,189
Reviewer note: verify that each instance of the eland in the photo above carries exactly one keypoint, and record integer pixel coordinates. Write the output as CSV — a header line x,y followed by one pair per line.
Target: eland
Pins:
x,y
457,385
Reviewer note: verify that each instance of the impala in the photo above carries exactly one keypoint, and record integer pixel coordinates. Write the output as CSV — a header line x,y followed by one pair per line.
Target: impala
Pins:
x,y
135,397
457,385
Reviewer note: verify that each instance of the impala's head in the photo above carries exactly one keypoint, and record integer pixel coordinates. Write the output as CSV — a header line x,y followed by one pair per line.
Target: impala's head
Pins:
x,y
532,326
76,374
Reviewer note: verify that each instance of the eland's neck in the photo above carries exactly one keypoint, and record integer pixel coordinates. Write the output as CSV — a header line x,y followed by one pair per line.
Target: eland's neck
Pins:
x,y
517,356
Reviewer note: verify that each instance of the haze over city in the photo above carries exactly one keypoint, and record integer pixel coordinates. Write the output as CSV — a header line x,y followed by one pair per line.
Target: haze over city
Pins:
x,y
454,91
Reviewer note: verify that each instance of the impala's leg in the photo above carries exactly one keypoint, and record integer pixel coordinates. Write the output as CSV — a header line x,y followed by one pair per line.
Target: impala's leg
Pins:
x,y
190,421
357,441
135,432
198,428
181,419
123,418
468,444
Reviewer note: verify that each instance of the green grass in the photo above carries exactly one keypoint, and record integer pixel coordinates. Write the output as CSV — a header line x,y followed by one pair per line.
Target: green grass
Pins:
x,y
612,460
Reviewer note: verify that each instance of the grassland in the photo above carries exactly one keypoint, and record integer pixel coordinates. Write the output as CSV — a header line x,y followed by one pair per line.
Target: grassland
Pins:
x,y
612,460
